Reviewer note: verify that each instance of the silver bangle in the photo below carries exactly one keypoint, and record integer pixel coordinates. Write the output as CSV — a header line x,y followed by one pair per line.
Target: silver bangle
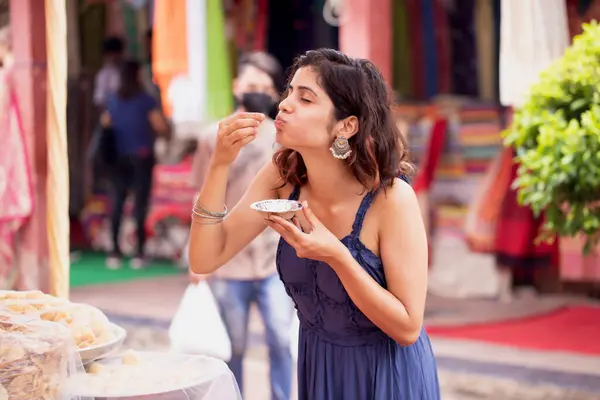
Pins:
x,y
201,208
200,214
209,221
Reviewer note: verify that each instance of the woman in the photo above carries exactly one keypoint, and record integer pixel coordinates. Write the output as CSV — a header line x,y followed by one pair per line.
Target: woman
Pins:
x,y
134,117
355,260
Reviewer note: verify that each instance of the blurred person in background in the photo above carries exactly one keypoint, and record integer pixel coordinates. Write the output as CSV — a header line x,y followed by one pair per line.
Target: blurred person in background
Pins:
x,y
251,276
107,79
147,78
135,118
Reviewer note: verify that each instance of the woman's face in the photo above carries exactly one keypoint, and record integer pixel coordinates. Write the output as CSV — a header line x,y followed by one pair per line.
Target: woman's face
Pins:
x,y
305,119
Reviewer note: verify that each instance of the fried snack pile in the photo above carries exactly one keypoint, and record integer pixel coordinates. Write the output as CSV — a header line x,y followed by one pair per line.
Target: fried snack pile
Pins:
x,y
35,358
88,325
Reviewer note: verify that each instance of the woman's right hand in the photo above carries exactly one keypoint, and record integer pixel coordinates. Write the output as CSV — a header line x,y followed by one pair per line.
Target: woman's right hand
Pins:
x,y
235,132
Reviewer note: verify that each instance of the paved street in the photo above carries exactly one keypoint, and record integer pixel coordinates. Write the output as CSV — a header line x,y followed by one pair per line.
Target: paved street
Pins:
x,y
467,370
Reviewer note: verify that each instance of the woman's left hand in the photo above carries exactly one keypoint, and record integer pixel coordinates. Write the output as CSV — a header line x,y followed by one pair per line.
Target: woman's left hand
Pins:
x,y
317,244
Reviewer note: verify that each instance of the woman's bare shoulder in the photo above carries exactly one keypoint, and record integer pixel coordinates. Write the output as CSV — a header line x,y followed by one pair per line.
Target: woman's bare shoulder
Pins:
x,y
396,200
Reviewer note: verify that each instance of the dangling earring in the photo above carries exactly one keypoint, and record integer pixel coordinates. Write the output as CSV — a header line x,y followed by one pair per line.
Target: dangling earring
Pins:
x,y
340,148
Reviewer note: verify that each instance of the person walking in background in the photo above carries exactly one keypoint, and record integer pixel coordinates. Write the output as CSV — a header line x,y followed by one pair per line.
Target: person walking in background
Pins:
x,y
251,276
135,118
107,79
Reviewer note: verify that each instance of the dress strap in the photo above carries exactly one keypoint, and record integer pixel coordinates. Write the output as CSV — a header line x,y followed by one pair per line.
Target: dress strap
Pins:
x,y
295,195
365,204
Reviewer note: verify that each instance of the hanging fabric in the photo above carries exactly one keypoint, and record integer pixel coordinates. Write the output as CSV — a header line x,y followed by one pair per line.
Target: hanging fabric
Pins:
x,y
484,34
141,21
130,30
137,5
187,90
197,59
533,35
443,47
416,44
16,189
218,87
497,25
430,64
92,24
73,41
244,20
583,6
579,13
114,19
169,45
260,35
401,51
464,58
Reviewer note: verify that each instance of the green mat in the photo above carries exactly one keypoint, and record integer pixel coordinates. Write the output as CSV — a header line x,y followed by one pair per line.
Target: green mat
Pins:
x,y
90,269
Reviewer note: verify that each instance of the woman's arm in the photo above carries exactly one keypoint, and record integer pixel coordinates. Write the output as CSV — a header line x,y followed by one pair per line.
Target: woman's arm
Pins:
x,y
158,122
212,245
105,120
399,310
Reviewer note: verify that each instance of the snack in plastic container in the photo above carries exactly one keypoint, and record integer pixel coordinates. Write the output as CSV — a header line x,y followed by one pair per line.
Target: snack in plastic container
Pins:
x,y
89,354
89,326
159,376
19,295
36,359
286,209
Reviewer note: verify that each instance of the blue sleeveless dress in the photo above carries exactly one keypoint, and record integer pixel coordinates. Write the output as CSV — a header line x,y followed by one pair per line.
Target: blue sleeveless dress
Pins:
x,y
342,354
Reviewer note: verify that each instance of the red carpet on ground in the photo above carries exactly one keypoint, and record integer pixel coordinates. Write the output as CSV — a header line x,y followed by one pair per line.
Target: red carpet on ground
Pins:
x,y
572,329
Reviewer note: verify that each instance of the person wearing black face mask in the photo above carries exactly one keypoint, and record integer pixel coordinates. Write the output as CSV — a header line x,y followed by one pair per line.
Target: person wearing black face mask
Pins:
x,y
251,276
263,103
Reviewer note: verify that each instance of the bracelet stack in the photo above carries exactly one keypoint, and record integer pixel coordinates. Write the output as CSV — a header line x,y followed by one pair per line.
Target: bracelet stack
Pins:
x,y
203,216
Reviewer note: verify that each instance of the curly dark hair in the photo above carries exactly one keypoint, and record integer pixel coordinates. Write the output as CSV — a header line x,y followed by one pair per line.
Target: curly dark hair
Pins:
x,y
356,88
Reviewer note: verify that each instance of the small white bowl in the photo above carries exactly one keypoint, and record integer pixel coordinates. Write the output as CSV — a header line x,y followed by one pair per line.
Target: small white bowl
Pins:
x,y
285,209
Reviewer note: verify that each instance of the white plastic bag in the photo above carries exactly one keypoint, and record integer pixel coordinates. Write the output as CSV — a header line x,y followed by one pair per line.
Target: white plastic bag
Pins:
x,y
197,327
294,336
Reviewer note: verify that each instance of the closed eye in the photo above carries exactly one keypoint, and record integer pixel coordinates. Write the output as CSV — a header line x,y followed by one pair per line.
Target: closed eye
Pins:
x,y
305,100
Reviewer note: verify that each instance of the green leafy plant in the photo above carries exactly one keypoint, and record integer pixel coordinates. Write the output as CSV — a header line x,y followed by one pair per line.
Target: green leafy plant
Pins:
x,y
556,137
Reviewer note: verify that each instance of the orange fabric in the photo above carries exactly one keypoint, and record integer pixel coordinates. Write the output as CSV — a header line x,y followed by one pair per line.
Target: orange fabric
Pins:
x,y
169,45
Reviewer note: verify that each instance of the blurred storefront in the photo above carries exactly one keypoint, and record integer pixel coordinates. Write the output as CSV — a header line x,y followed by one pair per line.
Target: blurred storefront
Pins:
x,y
441,57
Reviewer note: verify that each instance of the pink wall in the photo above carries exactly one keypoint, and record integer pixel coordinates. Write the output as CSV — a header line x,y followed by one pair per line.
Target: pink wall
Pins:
x,y
365,32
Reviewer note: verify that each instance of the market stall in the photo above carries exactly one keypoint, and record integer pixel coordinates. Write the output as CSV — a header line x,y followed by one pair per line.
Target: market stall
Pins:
x,y
51,348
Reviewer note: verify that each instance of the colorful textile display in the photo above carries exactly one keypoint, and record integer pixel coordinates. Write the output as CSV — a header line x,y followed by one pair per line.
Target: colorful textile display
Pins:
x,y
16,196
440,47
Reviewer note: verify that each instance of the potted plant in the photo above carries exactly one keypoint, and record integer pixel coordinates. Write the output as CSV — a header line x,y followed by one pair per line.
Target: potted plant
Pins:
x,y
556,137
